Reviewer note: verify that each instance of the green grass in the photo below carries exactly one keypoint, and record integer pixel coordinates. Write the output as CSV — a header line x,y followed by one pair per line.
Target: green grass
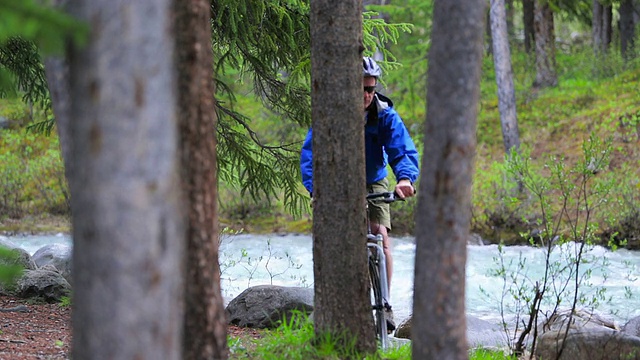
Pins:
x,y
294,340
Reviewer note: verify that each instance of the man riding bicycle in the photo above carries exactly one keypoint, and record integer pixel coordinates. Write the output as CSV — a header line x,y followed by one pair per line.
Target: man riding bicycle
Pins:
x,y
387,142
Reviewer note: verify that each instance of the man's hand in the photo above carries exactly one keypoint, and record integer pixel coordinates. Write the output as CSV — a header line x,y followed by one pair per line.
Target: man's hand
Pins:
x,y
404,189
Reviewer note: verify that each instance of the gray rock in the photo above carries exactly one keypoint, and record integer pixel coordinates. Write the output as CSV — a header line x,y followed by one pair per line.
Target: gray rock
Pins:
x,y
56,255
588,343
475,239
589,336
581,319
632,327
265,306
45,284
4,123
21,257
480,333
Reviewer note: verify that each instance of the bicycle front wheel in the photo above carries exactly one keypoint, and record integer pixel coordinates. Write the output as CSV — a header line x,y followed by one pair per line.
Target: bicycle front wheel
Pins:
x,y
378,302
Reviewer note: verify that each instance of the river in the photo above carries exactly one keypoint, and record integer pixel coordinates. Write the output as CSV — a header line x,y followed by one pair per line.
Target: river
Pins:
x,y
248,260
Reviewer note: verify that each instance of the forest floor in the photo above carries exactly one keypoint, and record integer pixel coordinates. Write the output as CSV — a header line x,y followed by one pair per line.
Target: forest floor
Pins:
x,y
36,330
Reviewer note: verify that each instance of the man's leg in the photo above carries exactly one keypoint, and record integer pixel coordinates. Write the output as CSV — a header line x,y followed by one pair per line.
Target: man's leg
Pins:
x,y
386,246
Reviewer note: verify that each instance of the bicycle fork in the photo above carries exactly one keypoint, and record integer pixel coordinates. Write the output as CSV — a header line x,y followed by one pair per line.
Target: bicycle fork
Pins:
x,y
377,248
382,266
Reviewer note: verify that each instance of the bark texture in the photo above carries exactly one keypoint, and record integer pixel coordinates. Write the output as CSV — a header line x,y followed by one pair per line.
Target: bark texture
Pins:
x,y
342,303
504,76
627,29
444,198
546,75
601,28
205,319
57,73
127,217
529,29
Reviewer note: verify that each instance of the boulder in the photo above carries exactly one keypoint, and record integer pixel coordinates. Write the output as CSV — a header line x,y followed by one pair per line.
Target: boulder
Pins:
x,y
480,333
4,123
589,336
264,306
21,258
475,239
57,255
588,343
632,327
43,283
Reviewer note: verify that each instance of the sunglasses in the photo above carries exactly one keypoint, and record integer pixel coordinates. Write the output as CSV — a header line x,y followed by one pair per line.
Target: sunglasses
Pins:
x,y
369,89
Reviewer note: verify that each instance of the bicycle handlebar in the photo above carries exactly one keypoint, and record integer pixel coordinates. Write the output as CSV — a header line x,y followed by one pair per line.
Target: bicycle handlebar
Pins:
x,y
387,197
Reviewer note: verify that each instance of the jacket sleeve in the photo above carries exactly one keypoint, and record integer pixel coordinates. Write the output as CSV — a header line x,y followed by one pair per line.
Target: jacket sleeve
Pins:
x,y
306,163
401,151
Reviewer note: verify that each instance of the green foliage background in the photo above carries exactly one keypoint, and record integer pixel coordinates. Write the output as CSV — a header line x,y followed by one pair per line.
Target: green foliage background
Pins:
x,y
262,75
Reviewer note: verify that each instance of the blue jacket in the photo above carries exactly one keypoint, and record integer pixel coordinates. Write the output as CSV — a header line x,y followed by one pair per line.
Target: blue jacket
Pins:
x,y
387,141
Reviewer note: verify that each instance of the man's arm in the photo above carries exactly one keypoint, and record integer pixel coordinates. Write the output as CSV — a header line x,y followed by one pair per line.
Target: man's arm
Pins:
x,y
401,152
306,163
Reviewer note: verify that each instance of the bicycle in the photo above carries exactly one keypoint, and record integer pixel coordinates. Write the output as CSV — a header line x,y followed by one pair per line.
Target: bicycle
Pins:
x,y
378,272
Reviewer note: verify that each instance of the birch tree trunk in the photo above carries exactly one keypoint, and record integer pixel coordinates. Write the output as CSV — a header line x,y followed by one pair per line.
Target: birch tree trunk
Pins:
x,y
444,199
205,335
504,76
342,303
127,217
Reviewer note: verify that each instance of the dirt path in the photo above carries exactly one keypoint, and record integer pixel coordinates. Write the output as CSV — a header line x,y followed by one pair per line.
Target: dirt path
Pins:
x,y
43,331
34,330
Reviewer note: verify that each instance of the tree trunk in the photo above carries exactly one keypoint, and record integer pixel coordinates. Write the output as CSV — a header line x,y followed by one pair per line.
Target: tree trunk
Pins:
x,y
627,30
127,217
545,46
57,73
205,331
444,203
596,27
488,36
342,303
504,76
601,28
529,28
510,11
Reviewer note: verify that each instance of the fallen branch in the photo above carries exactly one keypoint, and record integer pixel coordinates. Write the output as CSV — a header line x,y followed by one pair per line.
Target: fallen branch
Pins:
x,y
19,308
13,341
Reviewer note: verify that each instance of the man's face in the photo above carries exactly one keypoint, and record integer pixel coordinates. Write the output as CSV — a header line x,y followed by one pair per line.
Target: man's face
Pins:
x,y
368,81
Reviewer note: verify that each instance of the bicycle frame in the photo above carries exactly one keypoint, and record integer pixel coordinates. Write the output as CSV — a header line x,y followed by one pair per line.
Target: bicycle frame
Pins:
x,y
376,254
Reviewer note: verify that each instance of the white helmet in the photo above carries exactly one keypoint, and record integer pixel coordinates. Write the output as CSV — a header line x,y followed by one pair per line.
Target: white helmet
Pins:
x,y
370,67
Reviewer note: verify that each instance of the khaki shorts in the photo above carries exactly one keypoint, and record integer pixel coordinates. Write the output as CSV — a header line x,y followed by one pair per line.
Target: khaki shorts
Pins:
x,y
378,211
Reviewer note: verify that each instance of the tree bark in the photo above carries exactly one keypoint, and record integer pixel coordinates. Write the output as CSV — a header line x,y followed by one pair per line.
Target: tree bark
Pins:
x,y
57,73
510,11
488,36
627,30
545,46
529,28
596,27
504,77
127,217
444,199
342,304
205,320
601,28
